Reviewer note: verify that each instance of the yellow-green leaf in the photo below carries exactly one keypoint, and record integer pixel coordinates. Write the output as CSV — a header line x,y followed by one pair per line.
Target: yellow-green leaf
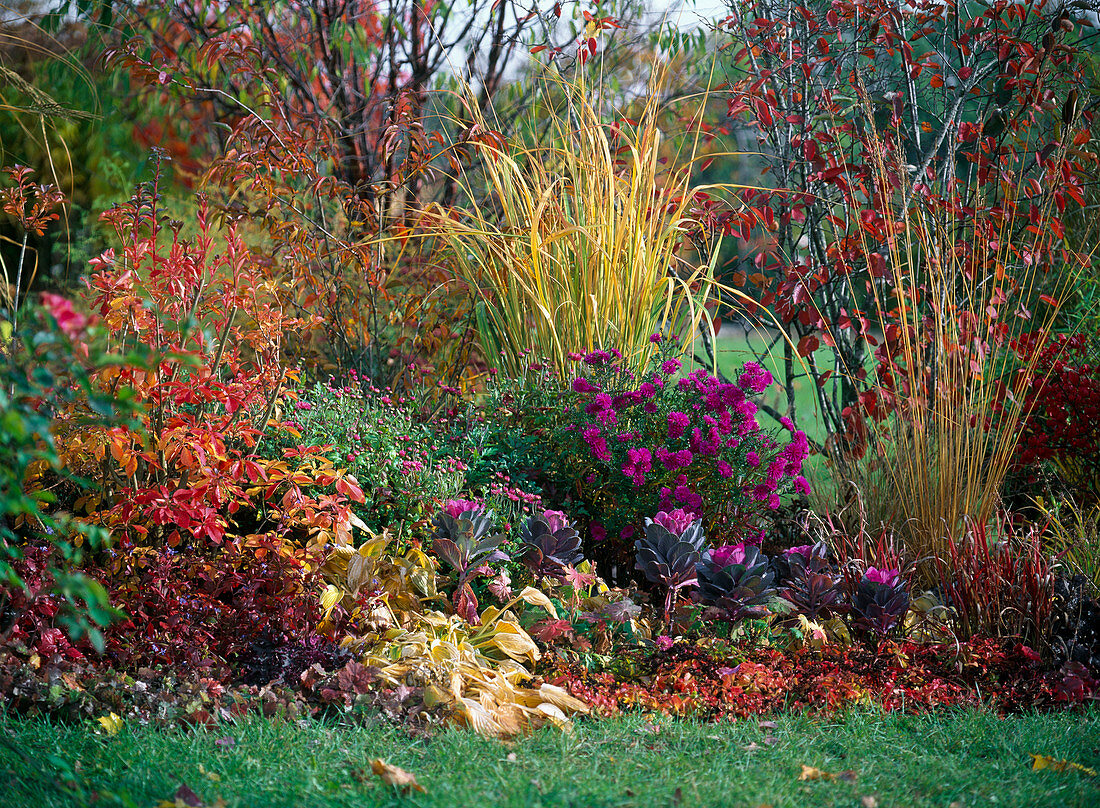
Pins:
x,y
1047,762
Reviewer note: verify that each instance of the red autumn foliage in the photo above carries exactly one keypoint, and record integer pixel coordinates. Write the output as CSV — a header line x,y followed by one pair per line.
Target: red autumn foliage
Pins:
x,y
1063,422
686,680
865,111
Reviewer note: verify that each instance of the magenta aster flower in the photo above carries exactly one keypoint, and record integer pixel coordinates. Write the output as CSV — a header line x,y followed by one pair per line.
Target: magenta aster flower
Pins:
x,y
678,422
754,378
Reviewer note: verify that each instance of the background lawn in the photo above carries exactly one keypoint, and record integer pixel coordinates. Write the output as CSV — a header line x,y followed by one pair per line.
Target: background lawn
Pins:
x,y
965,759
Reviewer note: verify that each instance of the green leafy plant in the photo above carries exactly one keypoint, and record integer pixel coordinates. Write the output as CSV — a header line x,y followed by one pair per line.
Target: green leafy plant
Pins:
x,y
42,370
402,462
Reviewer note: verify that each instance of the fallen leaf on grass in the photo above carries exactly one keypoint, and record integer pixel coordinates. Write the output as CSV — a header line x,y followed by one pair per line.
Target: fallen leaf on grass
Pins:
x,y
186,798
812,773
111,724
869,801
396,777
1047,762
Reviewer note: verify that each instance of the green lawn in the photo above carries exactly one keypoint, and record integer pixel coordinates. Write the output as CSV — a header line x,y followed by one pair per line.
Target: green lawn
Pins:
x,y
968,759
734,348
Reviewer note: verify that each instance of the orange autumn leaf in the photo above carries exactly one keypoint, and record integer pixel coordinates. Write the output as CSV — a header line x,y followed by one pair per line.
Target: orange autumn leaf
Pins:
x,y
396,777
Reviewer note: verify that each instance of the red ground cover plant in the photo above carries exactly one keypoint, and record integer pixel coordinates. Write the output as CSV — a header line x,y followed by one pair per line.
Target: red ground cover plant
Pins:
x,y
686,680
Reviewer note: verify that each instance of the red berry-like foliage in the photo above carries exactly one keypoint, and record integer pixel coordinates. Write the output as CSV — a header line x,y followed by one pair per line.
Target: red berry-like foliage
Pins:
x,y
1062,428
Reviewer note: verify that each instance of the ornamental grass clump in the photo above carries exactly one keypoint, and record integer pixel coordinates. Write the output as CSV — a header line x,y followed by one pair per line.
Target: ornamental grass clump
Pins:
x,y
953,378
577,244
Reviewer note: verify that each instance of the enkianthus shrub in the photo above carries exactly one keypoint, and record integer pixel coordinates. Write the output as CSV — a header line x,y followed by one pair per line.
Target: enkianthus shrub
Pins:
x,y
210,543
622,446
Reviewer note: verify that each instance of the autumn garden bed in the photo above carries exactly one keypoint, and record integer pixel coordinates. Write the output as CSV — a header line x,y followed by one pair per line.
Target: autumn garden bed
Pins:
x,y
371,460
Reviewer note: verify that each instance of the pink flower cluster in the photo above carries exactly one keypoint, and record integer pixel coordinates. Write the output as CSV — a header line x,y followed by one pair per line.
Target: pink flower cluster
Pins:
x,y
71,322
708,434
639,461
728,554
788,463
675,521
885,577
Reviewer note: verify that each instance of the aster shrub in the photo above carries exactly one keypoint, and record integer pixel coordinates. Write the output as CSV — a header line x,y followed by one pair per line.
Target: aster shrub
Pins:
x,y
403,466
659,442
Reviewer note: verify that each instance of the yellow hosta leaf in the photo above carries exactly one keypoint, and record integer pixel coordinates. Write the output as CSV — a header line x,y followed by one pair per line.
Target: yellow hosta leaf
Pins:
x,y
434,695
358,523
1047,762
396,777
330,597
359,569
444,652
555,695
537,597
555,716
111,723
515,642
478,718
